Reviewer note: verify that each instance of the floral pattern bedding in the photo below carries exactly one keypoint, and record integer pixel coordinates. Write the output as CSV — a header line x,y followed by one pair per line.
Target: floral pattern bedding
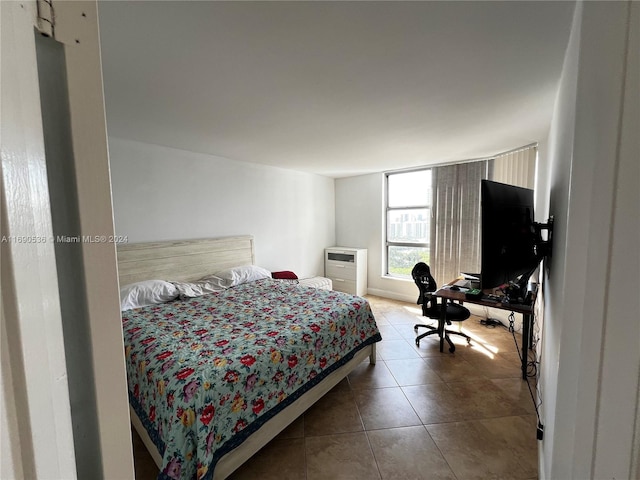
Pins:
x,y
206,372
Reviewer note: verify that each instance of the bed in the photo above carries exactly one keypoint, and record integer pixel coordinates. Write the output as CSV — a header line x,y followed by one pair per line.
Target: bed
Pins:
x,y
214,378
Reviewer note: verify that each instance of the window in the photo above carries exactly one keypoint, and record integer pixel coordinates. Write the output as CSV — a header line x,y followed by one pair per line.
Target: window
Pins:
x,y
408,221
433,216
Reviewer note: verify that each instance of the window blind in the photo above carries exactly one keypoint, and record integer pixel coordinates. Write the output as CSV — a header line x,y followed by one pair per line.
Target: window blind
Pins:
x,y
455,233
517,167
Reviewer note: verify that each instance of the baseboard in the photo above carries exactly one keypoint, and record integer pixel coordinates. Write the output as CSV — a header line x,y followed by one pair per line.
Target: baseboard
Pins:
x,y
392,295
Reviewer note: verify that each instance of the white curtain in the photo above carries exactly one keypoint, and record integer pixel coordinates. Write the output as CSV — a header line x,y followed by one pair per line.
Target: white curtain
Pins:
x,y
455,233
455,225
517,167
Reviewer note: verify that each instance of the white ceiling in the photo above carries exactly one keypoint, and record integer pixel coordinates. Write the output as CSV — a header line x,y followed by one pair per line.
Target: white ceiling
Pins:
x,y
333,88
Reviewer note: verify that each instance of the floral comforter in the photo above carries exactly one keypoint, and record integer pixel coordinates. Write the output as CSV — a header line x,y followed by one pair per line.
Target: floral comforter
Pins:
x,y
205,373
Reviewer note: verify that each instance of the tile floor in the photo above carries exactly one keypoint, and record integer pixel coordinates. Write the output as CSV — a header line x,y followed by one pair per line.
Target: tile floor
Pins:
x,y
416,414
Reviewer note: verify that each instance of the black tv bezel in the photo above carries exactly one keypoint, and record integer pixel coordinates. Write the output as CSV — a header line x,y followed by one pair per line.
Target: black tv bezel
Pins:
x,y
508,235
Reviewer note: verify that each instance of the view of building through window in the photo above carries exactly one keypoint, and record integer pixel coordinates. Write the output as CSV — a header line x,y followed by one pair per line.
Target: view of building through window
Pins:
x,y
408,220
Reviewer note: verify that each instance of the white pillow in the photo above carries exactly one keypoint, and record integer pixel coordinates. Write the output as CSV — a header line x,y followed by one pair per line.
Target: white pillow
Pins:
x,y
239,275
201,287
149,292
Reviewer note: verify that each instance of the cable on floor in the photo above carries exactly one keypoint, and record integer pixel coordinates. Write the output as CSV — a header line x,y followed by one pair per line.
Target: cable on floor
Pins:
x,y
490,322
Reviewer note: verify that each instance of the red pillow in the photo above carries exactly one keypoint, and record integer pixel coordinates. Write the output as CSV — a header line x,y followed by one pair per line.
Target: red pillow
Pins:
x,y
284,275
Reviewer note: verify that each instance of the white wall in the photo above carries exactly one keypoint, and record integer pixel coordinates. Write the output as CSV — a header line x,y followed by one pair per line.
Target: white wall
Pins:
x,y
558,182
359,223
591,346
160,193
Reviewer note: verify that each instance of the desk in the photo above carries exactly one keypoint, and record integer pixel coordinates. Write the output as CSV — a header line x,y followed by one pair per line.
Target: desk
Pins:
x,y
445,293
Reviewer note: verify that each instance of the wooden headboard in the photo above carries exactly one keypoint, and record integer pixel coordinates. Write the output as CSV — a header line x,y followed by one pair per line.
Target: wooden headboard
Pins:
x,y
184,260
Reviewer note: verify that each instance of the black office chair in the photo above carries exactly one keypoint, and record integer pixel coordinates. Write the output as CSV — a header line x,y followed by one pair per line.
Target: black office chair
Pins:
x,y
421,274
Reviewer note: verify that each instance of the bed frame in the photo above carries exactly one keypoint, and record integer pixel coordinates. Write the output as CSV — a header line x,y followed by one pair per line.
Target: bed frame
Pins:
x,y
190,260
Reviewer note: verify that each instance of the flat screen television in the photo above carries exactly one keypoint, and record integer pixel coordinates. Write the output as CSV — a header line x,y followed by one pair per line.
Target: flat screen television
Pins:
x,y
508,235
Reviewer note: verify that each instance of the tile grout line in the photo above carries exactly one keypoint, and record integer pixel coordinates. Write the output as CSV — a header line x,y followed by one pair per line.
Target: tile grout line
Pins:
x,y
364,429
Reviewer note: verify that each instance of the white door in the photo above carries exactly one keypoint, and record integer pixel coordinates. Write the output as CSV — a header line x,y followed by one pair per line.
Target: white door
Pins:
x,y
36,414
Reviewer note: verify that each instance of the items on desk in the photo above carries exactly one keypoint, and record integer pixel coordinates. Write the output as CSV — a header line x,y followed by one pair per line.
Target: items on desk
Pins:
x,y
461,283
473,278
513,292
477,294
517,294
474,294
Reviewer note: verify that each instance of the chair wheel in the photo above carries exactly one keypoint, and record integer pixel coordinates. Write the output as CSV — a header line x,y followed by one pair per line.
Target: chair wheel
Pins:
x,y
452,349
468,341
415,329
417,343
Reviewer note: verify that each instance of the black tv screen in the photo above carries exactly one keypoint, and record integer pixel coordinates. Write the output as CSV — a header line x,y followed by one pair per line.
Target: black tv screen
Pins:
x,y
508,234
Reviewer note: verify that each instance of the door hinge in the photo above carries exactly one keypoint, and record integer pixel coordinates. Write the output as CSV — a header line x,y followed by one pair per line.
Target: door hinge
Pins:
x,y
46,17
